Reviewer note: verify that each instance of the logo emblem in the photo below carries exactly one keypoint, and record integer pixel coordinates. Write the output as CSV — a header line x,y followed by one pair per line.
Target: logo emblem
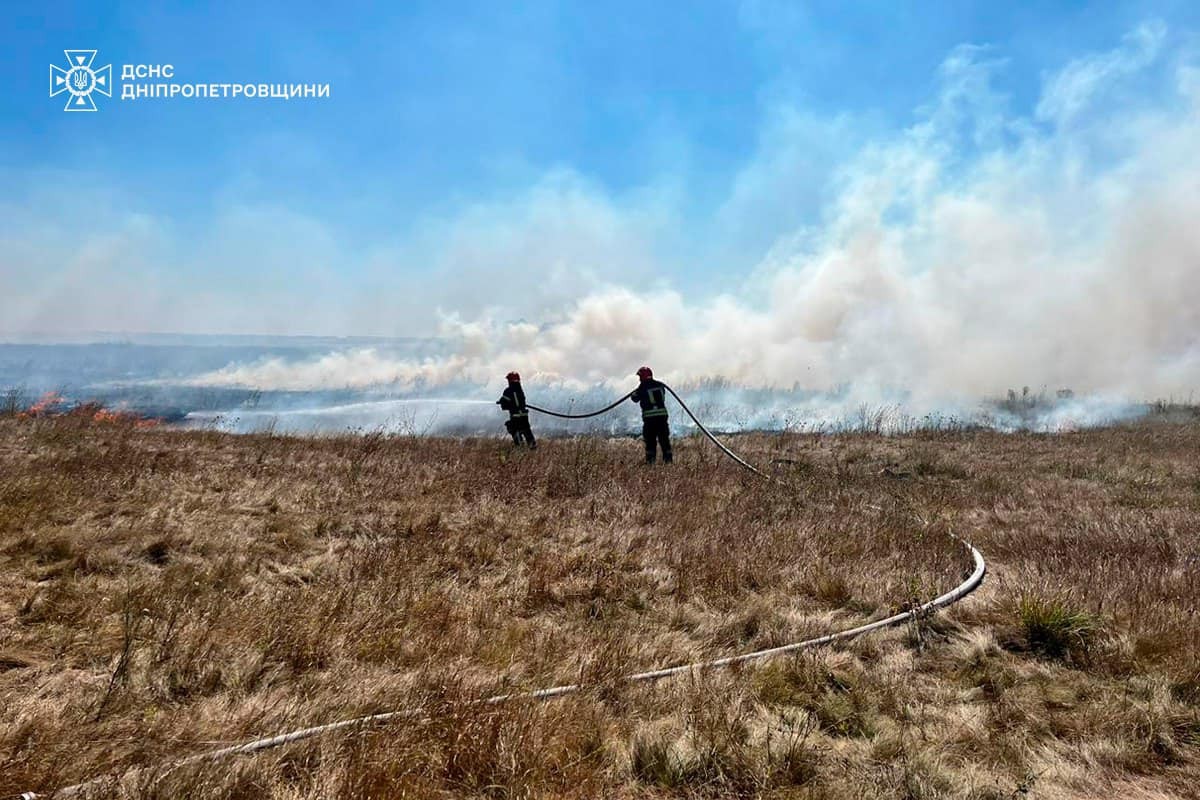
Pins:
x,y
80,80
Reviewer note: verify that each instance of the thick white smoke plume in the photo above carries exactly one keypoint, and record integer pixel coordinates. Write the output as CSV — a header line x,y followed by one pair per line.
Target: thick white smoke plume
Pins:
x,y
974,252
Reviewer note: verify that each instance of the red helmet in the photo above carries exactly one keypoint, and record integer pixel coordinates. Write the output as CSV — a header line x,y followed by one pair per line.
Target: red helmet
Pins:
x,y
645,372
513,376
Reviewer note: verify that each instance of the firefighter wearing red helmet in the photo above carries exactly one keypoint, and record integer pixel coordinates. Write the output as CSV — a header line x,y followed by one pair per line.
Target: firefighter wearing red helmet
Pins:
x,y
513,401
656,430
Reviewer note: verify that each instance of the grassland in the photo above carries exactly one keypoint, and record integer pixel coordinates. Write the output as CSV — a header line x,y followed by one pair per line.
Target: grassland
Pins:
x,y
164,592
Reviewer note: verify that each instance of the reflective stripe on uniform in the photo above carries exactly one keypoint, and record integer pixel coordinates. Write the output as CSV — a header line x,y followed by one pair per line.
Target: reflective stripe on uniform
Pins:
x,y
658,408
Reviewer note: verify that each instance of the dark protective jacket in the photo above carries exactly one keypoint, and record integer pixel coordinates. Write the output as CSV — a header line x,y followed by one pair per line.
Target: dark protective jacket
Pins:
x,y
652,396
513,401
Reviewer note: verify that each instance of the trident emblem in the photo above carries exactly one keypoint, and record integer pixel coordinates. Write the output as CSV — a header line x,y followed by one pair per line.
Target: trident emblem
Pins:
x,y
80,80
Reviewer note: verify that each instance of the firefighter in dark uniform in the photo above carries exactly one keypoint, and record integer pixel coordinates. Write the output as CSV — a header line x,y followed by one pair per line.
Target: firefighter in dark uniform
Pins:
x,y
513,401
656,430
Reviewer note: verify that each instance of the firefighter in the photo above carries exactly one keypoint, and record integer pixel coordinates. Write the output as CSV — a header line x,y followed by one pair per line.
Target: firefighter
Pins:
x,y
513,401
652,396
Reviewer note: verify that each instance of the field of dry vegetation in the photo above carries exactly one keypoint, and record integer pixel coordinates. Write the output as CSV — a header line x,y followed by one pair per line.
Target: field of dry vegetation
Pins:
x,y
163,593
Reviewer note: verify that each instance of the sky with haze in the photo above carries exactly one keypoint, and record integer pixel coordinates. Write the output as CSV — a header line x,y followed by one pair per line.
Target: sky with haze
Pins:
x,y
835,183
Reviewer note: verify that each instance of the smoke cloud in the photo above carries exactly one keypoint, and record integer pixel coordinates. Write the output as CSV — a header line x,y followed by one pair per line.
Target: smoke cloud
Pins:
x,y
975,251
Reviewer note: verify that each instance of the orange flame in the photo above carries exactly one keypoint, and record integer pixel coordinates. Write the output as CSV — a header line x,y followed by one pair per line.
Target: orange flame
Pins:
x,y
44,407
109,416
51,404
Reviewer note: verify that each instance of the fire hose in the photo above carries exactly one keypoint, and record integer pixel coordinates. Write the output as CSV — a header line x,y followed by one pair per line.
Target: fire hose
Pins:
x,y
682,405
562,415
968,585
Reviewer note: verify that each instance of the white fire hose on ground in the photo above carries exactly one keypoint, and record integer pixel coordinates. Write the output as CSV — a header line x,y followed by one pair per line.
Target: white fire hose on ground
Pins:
x,y
960,591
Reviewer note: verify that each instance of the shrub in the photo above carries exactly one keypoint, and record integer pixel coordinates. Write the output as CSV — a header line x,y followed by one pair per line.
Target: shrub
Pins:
x,y
12,402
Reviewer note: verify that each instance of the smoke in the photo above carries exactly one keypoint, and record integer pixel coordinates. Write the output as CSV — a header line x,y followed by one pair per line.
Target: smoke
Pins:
x,y
975,251
850,272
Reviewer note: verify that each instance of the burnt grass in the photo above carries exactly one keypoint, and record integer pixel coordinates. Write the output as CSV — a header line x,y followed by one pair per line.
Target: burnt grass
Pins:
x,y
163,593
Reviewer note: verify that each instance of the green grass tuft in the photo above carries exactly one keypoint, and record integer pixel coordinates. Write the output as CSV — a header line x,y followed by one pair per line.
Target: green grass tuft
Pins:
x,y
1053,627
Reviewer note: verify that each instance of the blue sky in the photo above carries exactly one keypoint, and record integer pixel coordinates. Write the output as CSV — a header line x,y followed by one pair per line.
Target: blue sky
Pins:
x,y
456,136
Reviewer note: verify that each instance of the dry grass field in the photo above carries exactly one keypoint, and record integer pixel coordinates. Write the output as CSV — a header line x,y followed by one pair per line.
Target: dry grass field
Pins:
x,y
163,593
